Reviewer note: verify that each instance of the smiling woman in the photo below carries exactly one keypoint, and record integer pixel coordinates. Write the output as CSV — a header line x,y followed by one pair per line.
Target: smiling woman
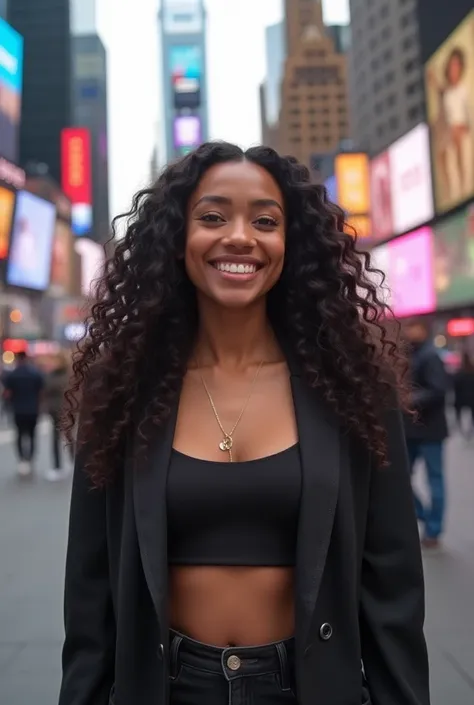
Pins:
x,y
251,536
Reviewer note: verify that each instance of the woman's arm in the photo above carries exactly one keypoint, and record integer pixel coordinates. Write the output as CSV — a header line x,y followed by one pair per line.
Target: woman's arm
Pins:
x,y
89,648
392,591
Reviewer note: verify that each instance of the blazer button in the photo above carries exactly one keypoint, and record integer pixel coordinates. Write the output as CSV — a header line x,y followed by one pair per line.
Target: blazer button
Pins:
x,y
161,651
325,631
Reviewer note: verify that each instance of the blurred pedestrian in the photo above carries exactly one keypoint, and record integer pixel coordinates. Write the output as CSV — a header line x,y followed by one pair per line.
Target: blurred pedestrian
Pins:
x,y
427,432
55,387
241,474
464,394
23,388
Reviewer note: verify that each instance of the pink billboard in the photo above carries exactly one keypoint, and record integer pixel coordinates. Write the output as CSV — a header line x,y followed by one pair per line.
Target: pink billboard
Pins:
x,y
411,273
381,197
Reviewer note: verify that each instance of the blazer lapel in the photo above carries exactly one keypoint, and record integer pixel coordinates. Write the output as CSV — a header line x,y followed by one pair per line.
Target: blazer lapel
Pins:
x,y
149,492
319,448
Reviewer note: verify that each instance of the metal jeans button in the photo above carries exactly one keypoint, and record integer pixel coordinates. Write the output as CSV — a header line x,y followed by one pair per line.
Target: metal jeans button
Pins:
x,y
234,663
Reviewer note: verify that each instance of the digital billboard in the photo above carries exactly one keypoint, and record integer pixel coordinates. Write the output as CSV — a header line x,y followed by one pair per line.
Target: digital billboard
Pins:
x,y
410,177
352,176
186,72
381,197
454,259
76,176
29,261
7,203
61,263
411,273
92,264
449,79
187,131
11,80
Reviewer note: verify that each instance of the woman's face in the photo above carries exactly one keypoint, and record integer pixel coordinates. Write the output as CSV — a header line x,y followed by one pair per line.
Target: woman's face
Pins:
x,y
455,70
235,243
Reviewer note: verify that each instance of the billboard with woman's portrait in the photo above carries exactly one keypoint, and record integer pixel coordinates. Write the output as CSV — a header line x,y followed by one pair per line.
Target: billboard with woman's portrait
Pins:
x,y
449,77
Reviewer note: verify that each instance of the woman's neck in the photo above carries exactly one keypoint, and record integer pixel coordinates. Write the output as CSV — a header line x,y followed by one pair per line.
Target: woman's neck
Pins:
x,y
235,338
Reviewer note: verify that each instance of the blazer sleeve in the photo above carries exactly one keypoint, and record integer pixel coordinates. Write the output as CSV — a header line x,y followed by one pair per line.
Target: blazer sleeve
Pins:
x,y
392,606
89,647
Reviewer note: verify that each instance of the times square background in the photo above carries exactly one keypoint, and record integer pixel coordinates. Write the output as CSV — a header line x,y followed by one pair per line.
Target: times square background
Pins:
x,y
355,97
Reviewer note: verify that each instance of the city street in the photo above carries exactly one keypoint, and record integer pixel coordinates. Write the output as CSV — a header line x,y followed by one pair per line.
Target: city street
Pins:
x,y
33,525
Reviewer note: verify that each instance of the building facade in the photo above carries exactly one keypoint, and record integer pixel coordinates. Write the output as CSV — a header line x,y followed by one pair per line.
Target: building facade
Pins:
x,y
182,26
270,90
314,112
3,8
46,103
89,110
387,89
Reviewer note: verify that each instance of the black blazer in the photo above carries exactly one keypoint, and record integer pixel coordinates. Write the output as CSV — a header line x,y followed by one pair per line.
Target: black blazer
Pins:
x,y
359,585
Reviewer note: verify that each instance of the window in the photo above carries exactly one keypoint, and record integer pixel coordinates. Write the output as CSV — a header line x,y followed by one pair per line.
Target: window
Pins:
x,y
386,32
387,55
374,64
410,65
408,42
384,11
391,100
380,130
389,77
414,113
394,123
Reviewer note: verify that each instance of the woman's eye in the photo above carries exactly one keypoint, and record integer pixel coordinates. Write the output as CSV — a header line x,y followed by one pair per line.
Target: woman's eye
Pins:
x,y
212,218
266,221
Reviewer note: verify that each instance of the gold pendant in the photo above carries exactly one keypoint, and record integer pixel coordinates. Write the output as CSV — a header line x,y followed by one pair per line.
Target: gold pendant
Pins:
x,y
226,444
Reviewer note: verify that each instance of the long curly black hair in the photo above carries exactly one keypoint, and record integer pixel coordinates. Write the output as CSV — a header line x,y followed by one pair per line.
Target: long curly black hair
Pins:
x,y
143,326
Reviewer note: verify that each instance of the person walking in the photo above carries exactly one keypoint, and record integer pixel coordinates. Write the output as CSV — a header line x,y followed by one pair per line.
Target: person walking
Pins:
x,y
464,394
242,527
427,431
55,387
23,389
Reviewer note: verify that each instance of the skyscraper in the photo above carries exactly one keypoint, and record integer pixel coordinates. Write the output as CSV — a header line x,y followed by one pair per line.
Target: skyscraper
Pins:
x,y
270,90
183,61
313,117
89,107
387,94
46,103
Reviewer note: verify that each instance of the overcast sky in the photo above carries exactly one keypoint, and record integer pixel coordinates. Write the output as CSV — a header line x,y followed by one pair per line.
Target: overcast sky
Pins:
x,y
236,67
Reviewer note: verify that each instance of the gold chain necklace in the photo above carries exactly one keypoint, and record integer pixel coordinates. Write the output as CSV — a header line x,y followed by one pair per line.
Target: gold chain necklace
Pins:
x,y
227,442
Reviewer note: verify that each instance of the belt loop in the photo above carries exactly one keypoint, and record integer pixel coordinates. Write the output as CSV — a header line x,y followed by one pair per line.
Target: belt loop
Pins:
x,y
284,667
174,656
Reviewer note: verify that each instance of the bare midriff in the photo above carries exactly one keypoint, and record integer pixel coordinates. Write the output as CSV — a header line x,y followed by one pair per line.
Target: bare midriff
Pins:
x,y
232,606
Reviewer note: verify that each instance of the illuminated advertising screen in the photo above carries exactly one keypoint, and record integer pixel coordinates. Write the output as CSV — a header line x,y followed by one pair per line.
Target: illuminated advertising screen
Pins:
x,y
410,178
449,80
187,131
11,80
76,176
186,72
92,264
29,262
352,177
411,273
61,263
454,259
381,197
7,203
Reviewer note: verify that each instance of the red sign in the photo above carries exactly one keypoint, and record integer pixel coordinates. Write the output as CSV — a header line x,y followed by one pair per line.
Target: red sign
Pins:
x,y
76,164
381,197
460,327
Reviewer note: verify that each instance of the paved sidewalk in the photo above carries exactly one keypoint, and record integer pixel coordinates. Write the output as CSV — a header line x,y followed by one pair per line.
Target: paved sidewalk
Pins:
x,y
33,526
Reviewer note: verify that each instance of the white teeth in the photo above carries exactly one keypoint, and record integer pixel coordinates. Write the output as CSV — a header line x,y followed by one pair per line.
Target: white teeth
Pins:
x,y
235,268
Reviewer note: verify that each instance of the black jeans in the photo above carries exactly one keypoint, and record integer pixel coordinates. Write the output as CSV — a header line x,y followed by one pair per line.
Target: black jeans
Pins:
x,y
25,435
209,675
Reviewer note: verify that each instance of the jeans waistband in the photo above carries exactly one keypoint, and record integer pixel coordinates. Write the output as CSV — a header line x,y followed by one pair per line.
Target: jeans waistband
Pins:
x,y
233,661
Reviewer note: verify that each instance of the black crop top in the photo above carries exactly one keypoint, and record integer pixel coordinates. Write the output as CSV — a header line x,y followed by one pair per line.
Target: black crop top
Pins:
x,y
245,514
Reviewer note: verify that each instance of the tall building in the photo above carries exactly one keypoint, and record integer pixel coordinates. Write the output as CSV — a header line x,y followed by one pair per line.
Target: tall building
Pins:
x,y
182,26
314,117
46,104
270,90
387,89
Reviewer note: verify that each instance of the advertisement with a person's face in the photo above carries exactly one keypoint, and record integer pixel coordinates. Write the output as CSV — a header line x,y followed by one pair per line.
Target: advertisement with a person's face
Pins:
x,y
449,77
61,263
29,262
7,202
11,80
411,273
410,177
454,259
381,197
